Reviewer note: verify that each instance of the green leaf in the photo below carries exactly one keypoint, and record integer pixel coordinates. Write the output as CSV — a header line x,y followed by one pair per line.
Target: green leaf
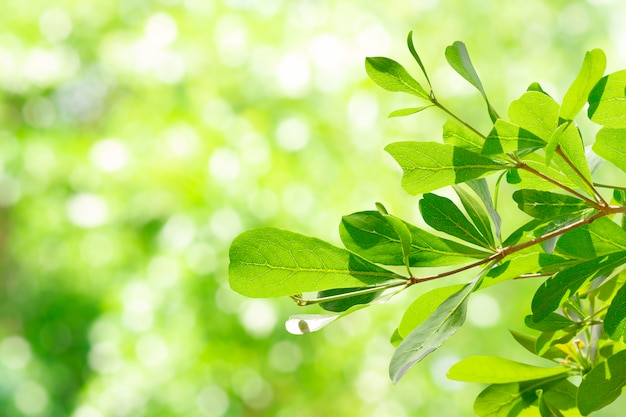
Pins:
x,y
535,86
271,262
429,166
607,104
576,96
433,332
525,262
601,237
456,134
535,112
424,306
442,214
517,399
507,137
615,319
551,323
555,140
403,232
477,212
342,304
392,76
524,179
409,43
481,188
565,283
547,205
395,338
603,384
572,146
369,235
495,370
610,144
459,60
407,112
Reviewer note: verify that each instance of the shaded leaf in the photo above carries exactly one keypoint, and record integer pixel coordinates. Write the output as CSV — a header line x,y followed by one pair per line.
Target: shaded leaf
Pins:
x,y
615,319
458,58
507,137
428,166
481,189
547,205
603,384
478,213
551,323
368,234
610,144
270,262
496,370
607,104
442,214
342,304
535,112
565,283
433,332
576,96
392,76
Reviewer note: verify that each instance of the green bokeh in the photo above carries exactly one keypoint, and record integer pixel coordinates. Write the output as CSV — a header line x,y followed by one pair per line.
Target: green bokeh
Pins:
x,y
139,137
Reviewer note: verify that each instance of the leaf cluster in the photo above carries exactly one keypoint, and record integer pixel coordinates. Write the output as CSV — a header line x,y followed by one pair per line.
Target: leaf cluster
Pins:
x,y
575,240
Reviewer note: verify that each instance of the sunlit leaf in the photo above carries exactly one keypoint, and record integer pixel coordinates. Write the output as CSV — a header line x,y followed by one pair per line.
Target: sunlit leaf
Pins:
x,y
442,214
576,96
459,60
547,205
536,113
603,384
271,262
392,76
507,137
411,47
601,237
408,111
524,179
429,166
615,319
607,101
456,134
610,144
496,370
368,234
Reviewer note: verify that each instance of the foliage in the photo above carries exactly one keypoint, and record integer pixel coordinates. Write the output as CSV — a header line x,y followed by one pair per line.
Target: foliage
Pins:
x,y
576,238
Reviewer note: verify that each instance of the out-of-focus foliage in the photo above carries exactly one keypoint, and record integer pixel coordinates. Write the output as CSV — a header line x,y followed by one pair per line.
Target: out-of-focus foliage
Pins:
x,y
137,138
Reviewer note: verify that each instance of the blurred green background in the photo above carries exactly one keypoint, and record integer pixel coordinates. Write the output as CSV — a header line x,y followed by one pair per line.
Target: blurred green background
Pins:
x,y
138,138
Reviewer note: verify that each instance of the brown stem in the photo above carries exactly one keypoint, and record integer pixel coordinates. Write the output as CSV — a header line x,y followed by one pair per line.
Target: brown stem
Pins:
x,y
560,152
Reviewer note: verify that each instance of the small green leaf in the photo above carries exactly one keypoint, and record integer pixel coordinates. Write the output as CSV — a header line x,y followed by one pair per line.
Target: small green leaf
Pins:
x,y
481,188
507,137
565,283
409,42
535,112
477,212
610,144
342,304
407,112
456,134
535,86
495,370
406,239
459,60
369,235
592,70
599,238
551,323
607,104
392,76
429,166
615,319
603,384
546,205
554,141
433,332
271,262
442,214
424,306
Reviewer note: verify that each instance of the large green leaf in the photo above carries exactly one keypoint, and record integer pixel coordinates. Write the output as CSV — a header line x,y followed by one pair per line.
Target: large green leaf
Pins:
x,y
428,166
535,112
576,96
615,319
459,60
477,212
456,134
610,144
607,101
601,237
368,234
506,137
565,283
424,306
442,214
546,205
495,370
603,384
270,262
517,399
433,332
392,76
